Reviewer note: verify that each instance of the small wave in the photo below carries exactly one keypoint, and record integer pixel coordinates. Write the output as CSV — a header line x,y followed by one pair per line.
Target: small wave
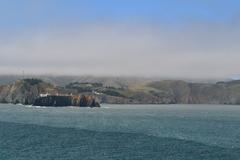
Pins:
x,y
39,107
20,104
31,106
28,106
106,107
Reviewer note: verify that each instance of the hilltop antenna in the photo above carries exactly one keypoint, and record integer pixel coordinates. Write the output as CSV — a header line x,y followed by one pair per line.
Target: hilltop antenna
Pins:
x,y
23,75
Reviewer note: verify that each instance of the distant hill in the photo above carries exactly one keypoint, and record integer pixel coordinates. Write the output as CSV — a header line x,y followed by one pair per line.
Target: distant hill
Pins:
x,y
165,92
198,93
64,80
124,91
172,92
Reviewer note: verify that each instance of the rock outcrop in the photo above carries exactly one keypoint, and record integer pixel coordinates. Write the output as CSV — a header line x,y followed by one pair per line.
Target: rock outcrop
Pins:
x,y
28,91
61,100
25,91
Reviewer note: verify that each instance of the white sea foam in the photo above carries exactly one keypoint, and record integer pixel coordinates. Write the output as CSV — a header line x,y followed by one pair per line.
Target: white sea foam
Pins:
x,y
105,107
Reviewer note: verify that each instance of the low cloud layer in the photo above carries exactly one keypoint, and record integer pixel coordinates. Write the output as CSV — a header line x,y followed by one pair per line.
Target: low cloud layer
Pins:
x,y
207,51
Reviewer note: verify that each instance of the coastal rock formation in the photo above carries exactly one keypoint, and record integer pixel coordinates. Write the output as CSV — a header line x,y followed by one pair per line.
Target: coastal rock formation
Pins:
x,y
83,94
28,91
61,100
25,91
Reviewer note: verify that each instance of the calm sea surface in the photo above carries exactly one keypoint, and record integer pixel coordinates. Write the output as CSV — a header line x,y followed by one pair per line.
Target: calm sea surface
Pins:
x,y
121,132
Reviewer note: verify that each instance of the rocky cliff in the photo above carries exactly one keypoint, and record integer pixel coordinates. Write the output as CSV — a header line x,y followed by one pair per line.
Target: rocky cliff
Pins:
x,y
28,91
58,101
25,91
156,92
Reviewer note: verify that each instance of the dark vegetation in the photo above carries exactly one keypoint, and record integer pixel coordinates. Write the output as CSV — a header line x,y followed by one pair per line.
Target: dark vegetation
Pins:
x,y
95,87
33,81
84,87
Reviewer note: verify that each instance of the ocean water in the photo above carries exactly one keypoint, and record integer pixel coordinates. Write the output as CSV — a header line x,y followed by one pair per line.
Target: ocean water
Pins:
x,y
121,132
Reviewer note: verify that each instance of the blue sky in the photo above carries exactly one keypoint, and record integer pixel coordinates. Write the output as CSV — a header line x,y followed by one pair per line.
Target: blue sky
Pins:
x,y
24,14
192,38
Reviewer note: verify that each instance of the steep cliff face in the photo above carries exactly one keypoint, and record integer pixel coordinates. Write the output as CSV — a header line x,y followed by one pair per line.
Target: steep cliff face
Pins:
x,y
25,91
59,101
28,91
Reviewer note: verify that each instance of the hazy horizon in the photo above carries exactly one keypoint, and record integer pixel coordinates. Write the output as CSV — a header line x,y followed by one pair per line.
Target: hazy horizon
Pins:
x,y
178,40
